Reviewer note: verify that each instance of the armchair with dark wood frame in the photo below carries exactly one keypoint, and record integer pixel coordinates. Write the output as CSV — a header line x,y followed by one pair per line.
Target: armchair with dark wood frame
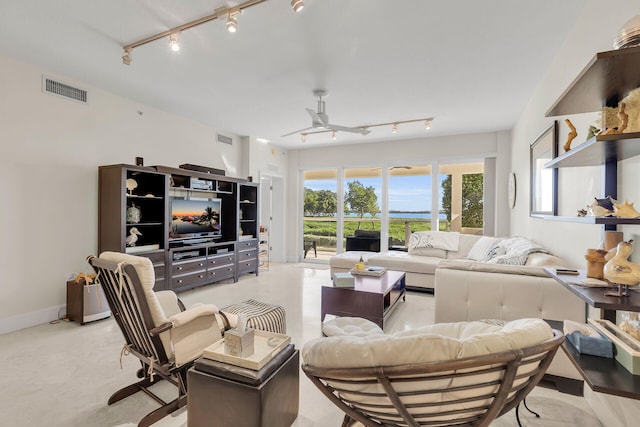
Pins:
x,y
156,327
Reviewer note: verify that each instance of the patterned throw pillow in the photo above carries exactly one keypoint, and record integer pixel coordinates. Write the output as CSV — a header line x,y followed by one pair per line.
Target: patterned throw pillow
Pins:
x,y
484,249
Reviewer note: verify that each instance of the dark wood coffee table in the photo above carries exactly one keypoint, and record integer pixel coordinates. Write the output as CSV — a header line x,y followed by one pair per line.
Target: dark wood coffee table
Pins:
x,y
372,298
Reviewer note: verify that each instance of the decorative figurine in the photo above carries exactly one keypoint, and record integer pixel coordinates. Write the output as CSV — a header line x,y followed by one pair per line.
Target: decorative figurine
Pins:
x,y
133,214
571,136
620,271
582,212
623,116
131,185
625,210
596,210
132,238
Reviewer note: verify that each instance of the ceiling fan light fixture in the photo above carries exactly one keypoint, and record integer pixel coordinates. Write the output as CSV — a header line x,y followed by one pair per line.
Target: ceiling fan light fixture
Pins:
x,y
232,21
173,42
297,5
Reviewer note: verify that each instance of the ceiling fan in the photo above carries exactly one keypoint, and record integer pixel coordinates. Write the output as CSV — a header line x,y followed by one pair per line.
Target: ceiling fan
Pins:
x,y
320,120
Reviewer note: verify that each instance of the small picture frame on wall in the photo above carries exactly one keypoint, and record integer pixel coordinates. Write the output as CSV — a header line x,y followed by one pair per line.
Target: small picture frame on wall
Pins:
x,y
544,181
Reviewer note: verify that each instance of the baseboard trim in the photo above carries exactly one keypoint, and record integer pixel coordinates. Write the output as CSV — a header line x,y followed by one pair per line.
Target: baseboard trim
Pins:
x,y
33,318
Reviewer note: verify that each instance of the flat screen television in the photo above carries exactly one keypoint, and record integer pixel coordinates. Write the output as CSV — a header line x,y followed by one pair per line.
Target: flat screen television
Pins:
x,y
195,218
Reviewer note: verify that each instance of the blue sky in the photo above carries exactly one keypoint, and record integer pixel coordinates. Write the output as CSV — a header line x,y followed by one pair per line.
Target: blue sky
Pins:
x,y
406,193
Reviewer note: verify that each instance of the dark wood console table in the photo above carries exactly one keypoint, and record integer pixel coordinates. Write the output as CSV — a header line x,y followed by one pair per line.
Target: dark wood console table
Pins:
x,y
601,374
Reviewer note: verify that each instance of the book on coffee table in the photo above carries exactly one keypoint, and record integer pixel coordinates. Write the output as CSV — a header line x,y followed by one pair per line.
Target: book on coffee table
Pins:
x,y
369,271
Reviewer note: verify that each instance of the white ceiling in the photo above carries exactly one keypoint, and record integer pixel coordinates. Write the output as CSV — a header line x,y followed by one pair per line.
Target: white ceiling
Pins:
x,y
472,65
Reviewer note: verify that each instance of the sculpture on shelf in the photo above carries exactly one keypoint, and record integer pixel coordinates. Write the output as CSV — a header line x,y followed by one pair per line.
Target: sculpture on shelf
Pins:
x,y
595,209
571,136
620,271
625,210
623,116
132,238
131,185
582,212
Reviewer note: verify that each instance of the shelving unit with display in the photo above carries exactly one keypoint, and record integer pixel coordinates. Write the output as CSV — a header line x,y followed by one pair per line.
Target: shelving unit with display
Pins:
x,y
132,204
247,228
605,81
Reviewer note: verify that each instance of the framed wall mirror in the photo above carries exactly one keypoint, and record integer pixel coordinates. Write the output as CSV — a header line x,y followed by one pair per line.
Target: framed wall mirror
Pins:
x,y
544,182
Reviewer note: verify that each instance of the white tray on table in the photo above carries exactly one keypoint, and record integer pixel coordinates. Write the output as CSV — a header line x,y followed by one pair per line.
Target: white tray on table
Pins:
x,y
263,352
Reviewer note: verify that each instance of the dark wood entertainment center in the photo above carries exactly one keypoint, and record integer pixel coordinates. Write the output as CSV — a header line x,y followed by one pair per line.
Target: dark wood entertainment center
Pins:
x,y
183,263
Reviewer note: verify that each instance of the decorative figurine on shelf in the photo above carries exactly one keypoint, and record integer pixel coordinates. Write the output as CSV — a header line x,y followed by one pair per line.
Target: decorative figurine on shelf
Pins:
x,y
571,136
133,214
582,212
595,209
623,116
622,272
132,238
625,210
131,185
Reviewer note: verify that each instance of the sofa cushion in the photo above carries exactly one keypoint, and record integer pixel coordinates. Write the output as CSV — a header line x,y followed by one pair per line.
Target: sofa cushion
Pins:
x,y
403,261
432,252
482,248
439,342
465,244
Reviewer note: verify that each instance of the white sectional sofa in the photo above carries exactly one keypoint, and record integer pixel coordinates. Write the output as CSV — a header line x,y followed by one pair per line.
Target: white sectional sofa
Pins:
x,y
420,262
470,283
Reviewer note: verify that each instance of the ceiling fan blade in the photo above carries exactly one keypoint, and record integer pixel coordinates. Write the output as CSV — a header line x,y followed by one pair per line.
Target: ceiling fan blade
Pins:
x,y
315,117
296,131
347,129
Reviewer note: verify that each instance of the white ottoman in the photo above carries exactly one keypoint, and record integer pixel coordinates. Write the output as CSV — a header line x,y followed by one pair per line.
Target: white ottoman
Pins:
x,y
351,326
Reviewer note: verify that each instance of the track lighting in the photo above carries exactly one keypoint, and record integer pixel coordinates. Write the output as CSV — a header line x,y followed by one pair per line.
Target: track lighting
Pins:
x,y
333,135
394,128
232,21
126,57
304,137
231,14
297,5
427,124
173,42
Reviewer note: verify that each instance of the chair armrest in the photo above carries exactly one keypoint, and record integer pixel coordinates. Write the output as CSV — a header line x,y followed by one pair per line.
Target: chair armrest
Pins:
x,y
160,329
192,313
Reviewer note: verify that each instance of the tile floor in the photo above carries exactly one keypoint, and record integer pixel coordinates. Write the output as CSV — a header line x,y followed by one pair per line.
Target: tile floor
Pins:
x,y
62,374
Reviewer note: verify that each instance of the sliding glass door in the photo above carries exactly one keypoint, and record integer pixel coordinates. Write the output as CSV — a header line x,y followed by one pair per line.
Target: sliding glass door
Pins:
x,y
320,213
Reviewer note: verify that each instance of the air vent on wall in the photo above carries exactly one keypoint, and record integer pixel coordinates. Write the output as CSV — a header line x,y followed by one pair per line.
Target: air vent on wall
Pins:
x,y
225,139
61,89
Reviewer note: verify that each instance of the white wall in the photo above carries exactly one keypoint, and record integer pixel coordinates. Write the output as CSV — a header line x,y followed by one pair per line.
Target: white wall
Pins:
x,y
50,151
389,153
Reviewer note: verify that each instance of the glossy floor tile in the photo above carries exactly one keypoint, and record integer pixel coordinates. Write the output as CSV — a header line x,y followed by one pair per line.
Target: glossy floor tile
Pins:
x,y
62,374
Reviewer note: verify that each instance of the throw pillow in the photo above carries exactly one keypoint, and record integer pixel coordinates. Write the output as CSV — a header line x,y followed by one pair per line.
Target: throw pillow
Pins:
x,y
435,239
484,248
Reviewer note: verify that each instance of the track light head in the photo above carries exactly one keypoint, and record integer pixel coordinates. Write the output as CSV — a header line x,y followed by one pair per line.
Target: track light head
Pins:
x,y
297,5
232,21
126,57
427,124
394,128
173,42
333,135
